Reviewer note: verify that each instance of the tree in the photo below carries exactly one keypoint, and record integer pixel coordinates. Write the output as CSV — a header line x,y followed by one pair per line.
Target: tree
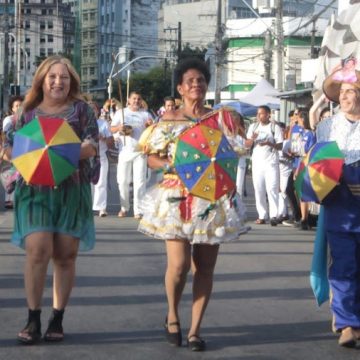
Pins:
x,y
153,85
188,51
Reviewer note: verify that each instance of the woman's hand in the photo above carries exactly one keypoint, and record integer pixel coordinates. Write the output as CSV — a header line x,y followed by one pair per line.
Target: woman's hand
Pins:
x,y
87,151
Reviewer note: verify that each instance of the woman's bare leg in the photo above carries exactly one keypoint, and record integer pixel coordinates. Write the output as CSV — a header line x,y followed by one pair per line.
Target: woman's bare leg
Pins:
x,y
39,248
203,265
64,258
178,265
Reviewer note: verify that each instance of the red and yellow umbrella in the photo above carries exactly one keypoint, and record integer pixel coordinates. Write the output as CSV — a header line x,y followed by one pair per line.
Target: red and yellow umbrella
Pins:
x,y
46,151
205,162
319,171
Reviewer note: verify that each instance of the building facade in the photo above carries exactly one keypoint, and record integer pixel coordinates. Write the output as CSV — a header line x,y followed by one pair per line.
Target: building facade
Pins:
x,y
36,29
112,32
252,53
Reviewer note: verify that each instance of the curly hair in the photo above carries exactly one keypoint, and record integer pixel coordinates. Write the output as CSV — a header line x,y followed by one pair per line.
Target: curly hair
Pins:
x,y
191,63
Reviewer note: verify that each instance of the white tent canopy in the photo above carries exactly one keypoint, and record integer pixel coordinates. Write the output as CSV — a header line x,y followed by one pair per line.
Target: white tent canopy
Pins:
x,y
263,94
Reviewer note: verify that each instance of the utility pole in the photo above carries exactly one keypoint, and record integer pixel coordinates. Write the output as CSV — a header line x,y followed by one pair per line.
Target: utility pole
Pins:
x,y
279,44
312,46
6,84
268,55
179,49
175,50
218,54
17,54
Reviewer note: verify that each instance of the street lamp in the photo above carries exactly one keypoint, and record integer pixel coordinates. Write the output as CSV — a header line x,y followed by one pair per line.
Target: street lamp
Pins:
x,y
111,76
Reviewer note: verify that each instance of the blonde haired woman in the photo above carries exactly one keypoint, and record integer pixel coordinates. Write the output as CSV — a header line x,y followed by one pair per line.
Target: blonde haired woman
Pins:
x,y
54,223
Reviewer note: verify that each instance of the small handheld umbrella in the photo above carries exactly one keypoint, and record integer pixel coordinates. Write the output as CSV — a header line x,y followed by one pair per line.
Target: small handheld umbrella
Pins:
x,y
319,171
205,162
46,151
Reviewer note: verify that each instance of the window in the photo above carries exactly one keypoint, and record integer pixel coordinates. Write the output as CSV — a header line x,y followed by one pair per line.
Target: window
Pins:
x,y
92,71
42,52
85,17
42,25
50,38
50,24
27,24
43,11
50,51
42,39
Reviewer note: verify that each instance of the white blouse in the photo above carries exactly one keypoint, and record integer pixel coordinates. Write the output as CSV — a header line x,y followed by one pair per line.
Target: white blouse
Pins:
x,y
344,132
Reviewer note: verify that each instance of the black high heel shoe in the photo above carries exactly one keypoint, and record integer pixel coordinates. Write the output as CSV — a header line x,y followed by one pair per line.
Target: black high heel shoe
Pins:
x,y
173,338
196,343
55,331
31,333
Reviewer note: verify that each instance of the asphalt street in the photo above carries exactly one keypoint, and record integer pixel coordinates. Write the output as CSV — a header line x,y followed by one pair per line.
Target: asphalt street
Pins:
x,y
262,306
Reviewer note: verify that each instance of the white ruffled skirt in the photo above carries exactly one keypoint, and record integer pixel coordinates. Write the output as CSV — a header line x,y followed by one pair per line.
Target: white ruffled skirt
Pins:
x,y
170,212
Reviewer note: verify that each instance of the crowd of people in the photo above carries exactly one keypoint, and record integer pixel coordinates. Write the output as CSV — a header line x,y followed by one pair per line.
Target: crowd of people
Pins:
x,y
54,223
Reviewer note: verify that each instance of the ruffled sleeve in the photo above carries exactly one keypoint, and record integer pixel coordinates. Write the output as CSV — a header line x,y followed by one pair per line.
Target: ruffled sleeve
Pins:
x,y
157,138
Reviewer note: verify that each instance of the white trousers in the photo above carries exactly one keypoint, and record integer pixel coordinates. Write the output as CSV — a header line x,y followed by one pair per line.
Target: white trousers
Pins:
x,y
240,179
266,183
100,189
285,172
134,171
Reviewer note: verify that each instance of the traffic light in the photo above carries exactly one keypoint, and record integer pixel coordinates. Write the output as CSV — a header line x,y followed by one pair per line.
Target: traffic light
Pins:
x,y
14,89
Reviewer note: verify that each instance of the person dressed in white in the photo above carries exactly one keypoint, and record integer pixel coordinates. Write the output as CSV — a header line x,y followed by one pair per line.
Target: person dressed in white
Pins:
x,y
105,140
238,144
128,125
265,137
14,105
285,167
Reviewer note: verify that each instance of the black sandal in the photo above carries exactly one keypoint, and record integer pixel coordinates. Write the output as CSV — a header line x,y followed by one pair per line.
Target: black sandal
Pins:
x,y
55,331
173,338
197,344
31,333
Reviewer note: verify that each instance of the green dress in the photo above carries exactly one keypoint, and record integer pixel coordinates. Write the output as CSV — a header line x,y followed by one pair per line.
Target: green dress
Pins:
x,y
66,208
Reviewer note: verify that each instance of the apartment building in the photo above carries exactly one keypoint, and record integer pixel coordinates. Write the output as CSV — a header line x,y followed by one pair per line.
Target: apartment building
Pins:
x,y
110,28
36,29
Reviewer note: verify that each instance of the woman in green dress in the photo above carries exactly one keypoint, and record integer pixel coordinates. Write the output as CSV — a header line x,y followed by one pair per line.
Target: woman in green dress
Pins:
x,y
53,223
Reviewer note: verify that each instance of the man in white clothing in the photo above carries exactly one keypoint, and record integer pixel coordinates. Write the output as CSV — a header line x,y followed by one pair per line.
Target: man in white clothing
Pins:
x,y
105,140
265,138
127,127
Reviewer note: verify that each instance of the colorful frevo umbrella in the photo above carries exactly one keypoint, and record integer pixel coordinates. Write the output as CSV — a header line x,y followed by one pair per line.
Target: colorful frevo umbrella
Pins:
x,y
319,171
205,162
46,151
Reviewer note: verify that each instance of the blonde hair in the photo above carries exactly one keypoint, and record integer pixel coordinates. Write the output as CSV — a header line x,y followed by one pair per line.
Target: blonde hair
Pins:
x,y
35,95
